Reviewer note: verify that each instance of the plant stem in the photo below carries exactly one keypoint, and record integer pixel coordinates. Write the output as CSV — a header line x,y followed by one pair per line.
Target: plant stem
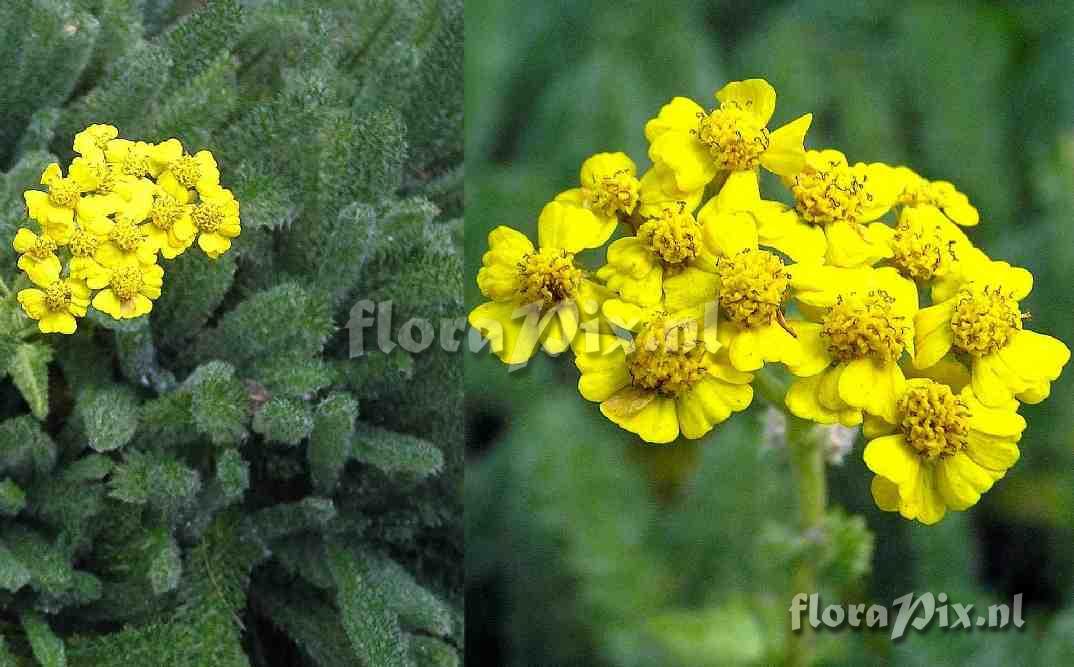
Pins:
x,y
807,464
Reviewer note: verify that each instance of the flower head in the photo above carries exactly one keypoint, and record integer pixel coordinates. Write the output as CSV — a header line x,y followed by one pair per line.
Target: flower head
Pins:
x,y
538,297
915,191
982,321
696,145
668,382
216,218
55,304
609,190
127,290
943,452
37,256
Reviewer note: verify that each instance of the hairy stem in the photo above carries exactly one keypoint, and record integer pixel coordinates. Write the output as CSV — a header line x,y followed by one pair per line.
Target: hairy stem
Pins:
x,y
807,465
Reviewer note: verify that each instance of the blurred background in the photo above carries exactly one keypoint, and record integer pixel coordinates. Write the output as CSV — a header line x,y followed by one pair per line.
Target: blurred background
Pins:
x,y
586,548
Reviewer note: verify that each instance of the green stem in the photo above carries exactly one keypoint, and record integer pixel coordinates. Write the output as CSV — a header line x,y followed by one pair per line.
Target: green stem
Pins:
x,y
807,464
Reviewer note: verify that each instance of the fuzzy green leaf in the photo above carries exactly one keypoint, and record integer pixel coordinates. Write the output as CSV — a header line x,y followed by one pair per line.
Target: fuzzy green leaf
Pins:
x,y
29,371
330,443
12,498
283,420
396,452
48,648
109,417
219,402
13,574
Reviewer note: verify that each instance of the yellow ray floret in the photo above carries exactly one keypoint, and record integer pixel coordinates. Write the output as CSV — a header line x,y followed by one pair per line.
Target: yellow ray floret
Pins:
x,y
609,189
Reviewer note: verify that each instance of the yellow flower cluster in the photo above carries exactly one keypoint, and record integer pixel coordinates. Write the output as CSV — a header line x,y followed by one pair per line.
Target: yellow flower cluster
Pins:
x,y
121,204
714,282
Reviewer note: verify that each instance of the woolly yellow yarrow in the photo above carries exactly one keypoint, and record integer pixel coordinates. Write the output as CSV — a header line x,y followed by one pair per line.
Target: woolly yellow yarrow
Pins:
x,y
982,320
182,174
55,304
538,296
734,136
668,382
925,246
171,229
946,450
216,218
609,189
55,210
858,323
659,191
91,142
841,199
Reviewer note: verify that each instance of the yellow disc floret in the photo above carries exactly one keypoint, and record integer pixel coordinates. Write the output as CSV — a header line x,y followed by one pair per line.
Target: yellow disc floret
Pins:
x,y
126,281
167,211
919,250
667,358
734,135
127,235
674,237
63,192
614,193
752,286
187,171
58,295
865,325
934,420
548,276
837,192
208,216
43,247
984,319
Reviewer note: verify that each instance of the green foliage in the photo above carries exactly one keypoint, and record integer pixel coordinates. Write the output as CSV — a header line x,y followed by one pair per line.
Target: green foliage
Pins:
x,y
159,476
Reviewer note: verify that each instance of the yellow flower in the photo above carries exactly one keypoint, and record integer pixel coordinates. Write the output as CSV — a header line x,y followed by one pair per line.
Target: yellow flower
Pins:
x,y
664,258
538,297
609,190
56,305
37,256
668,382
180,173
983,320
659,190
841,198
132,158
91,142
170,227
925,245
127,290
126,242
216,217
83,246
732,137
917,192
858,323
737,215
55,210
753,284
946,450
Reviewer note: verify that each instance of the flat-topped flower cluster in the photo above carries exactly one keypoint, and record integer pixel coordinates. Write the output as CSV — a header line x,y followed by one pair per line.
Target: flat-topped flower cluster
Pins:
x,y
103,226
866,290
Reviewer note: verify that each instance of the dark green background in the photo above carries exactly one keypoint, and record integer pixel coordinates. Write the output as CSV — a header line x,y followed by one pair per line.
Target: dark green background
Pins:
x,y
584,547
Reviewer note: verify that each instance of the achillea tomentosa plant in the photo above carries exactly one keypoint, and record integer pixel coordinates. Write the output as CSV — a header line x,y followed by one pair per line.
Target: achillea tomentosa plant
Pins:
x,y
720,290
198,472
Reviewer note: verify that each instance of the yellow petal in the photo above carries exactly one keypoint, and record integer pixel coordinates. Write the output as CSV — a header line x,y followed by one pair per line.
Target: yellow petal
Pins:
x,y
785,154
603,369
601,165
885,494
106,302
872,386
659,191
626,315
679,114
33,302
854,245
812,348
740,192
991,452
684,155
803,400
690,288
727,234
961,482
657,422
511,329
559,326
754,95
557,228
708,403
947,371
214,245
43,272
779,227
892,458
24,240
58,322
933,337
